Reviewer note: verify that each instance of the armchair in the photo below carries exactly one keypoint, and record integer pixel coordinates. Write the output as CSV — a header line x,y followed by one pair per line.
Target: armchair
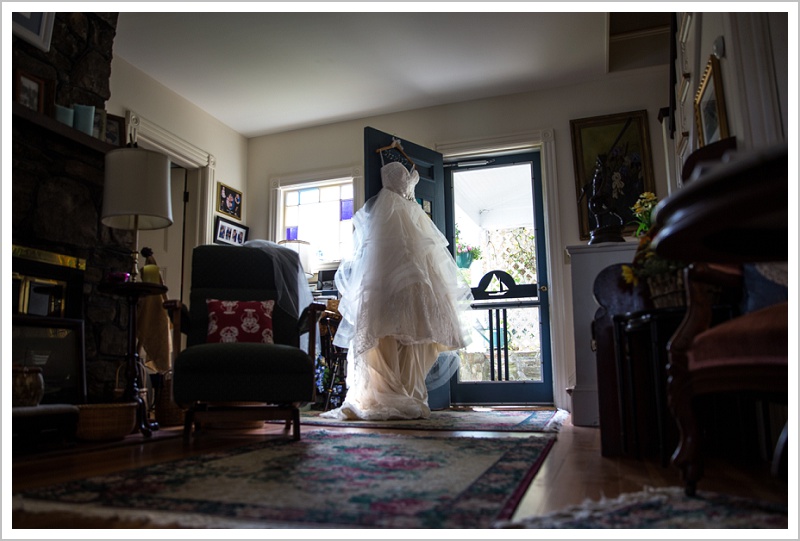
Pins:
x,y
251,295
726,221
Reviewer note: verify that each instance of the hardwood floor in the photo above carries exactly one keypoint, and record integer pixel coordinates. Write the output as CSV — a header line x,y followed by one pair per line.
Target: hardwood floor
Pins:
x,y
573,471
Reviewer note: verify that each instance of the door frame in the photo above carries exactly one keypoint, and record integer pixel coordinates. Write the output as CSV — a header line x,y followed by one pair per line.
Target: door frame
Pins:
x,y
563,354
199,166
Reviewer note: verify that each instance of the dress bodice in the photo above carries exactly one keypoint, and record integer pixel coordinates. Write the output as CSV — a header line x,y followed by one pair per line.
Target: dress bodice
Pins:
x,y
397,178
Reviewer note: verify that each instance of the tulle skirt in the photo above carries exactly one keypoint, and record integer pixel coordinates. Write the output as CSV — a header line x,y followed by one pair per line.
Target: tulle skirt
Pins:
x,y
403,302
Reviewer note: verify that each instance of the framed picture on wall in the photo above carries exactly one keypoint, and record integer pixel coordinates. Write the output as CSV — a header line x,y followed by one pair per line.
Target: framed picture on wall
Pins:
x,y
228,232
34,27
620,142
229,201
709,106
115,130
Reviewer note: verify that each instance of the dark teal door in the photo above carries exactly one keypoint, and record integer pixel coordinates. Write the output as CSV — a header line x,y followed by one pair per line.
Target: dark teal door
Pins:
x,y
430,192
509,359
435,192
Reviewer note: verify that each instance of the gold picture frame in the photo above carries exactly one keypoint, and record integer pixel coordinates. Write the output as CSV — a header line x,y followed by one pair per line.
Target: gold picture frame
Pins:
x,y
709,106
625,141
229,201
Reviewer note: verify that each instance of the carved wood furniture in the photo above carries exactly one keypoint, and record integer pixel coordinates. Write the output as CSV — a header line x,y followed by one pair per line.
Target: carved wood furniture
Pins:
x,y
736,213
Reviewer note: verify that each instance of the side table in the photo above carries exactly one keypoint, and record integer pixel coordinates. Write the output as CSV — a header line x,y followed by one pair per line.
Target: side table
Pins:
x,y
133,291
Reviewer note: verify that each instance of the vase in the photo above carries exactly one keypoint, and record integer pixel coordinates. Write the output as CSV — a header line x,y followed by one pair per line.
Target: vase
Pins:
x,y
464,260
667,289
28,386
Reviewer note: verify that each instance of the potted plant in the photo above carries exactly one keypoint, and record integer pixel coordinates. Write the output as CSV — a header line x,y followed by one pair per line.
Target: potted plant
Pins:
x,y
663,277
465,253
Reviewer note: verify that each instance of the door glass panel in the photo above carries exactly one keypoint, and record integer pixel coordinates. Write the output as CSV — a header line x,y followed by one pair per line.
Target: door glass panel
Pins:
x,y
493,209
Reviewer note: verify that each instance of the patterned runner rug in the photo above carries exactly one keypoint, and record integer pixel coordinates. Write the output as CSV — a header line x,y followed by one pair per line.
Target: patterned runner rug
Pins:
x,y
658,508
480,419
327,479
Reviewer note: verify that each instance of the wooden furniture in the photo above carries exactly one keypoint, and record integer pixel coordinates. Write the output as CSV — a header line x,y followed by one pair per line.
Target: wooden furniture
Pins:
x,y
133,291
587,262
736,213
248,381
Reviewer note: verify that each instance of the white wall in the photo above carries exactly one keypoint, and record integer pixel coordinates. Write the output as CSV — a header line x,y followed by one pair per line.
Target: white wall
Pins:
x,y
132,89
341,146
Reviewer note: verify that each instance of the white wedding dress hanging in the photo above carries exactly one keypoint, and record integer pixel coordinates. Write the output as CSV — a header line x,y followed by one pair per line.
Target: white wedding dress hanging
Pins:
x,y
403,302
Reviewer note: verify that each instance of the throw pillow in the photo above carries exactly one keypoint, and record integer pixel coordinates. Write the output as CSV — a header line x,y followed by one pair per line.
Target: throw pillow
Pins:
x,y
240,321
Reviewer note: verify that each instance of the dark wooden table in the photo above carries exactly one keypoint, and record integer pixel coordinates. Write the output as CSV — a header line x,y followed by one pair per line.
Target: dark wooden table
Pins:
x,y
134,291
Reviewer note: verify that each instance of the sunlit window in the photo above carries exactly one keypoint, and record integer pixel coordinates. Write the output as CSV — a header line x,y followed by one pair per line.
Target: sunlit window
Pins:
x,y
321,214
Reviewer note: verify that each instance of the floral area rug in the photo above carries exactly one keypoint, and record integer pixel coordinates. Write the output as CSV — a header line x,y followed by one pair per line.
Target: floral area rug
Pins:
x,y
325,480
480,419
663,508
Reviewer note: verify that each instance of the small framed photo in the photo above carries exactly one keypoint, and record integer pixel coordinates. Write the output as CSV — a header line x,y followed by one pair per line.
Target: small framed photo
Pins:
x,y
99,127
228,232
30,91
229,201
115,130
709,106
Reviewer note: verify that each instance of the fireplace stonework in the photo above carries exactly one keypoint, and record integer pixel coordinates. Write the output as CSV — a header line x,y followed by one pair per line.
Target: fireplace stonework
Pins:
x,y
57,183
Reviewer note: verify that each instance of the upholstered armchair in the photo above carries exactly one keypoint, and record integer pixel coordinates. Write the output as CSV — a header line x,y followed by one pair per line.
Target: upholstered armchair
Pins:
x,y
732,222
243,357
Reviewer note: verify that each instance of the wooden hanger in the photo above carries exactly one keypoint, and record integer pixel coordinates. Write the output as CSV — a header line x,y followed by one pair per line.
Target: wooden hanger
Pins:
x,y
397,144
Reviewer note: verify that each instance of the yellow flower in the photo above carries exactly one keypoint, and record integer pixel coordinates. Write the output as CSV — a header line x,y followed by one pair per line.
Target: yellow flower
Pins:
x,y
629,276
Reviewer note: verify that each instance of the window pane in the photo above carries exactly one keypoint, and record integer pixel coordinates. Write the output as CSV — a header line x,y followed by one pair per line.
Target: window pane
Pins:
x,y
321,216
346,210
291,216
329,193
309,196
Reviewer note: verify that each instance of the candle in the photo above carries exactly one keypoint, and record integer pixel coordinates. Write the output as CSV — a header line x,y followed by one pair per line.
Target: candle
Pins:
x,y
150,273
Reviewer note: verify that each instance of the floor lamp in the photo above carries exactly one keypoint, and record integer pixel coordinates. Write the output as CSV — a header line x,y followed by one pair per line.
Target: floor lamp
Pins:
x,y
136,195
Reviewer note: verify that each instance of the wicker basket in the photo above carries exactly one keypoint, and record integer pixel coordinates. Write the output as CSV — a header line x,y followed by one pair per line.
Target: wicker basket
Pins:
x,y
667,290
106,421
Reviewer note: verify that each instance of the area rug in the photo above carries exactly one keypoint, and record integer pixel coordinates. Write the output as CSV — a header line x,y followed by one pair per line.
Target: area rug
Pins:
x,y
475,419
328,479
663,508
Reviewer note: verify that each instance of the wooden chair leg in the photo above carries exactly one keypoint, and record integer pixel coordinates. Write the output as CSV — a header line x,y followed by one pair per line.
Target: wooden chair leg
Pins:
x,y
188,421
296,421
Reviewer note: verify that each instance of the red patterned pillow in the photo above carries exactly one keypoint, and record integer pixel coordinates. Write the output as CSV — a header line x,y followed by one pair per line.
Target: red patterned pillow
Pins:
x,y
240,321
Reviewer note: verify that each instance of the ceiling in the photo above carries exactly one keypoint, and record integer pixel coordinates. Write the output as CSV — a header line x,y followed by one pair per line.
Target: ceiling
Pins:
x,y
262,73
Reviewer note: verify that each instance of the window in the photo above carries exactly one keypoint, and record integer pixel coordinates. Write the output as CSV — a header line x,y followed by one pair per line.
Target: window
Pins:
x,y
321,214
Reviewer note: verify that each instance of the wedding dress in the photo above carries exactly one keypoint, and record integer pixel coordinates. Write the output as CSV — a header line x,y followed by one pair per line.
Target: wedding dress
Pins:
x,y
402,303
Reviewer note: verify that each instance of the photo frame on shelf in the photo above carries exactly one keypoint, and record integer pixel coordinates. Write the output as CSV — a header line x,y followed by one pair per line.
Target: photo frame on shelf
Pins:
x,y
624,140
115,130
709,106
229,201
99,126
35,27
228,232
30,91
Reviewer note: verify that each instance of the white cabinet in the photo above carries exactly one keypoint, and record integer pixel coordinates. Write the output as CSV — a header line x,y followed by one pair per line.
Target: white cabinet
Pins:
x,y
587,261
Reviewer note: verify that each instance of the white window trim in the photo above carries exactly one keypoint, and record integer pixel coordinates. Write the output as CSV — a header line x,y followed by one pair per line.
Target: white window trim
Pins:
x,y
310,179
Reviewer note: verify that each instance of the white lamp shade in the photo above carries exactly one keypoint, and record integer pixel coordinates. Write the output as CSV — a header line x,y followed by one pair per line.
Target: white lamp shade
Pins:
x,y
137,185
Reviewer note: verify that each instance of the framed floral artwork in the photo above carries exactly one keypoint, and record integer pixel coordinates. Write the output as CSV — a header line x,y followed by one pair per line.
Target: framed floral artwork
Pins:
x,y
618,146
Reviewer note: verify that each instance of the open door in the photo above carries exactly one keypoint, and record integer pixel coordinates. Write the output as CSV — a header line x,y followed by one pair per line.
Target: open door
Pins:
x,y
430,192
526,352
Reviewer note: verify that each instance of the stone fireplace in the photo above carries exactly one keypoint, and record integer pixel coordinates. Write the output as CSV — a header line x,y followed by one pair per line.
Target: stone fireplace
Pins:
x,y
57,188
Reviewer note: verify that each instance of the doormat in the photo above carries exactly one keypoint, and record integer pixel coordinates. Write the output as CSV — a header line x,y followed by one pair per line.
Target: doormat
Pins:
x,y
663,508
461,419
325,480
